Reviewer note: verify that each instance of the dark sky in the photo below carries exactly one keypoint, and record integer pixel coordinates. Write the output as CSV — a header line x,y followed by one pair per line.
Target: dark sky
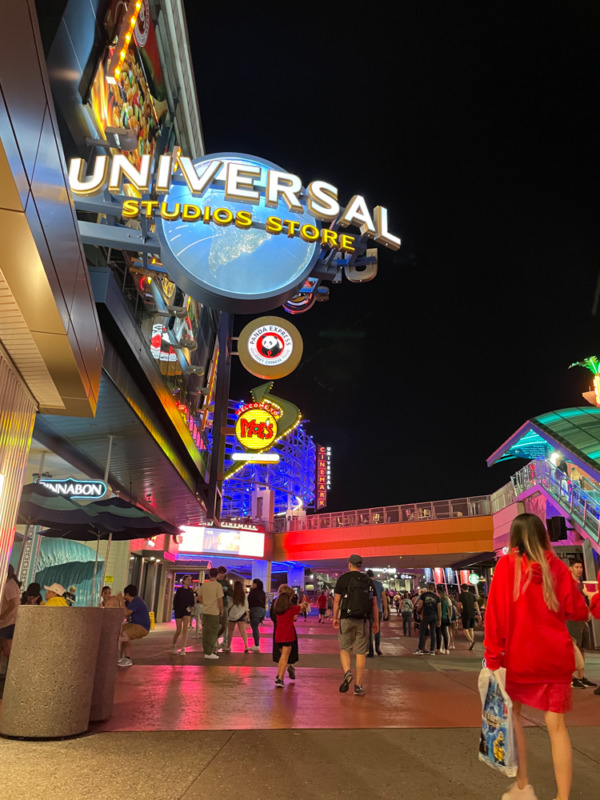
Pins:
x,y
478,126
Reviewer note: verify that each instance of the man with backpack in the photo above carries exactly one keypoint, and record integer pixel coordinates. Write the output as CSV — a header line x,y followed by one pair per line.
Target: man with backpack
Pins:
x,y
355,603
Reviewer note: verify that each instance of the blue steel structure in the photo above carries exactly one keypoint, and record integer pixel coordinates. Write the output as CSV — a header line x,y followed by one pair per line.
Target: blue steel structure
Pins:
x,y
292,479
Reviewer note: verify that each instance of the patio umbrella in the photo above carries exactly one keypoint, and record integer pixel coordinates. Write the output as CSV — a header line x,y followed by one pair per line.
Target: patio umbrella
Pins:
x,y
113,519
41,506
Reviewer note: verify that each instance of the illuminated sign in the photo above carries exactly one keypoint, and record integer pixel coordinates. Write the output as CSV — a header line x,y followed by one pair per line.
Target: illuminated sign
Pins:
x,y
235,230
270,347
256,426
71,487
406,577
474,579
322,482
257,458
385,570
229,541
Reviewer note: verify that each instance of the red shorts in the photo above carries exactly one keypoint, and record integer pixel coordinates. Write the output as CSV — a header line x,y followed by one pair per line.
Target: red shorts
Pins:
x,y
554,697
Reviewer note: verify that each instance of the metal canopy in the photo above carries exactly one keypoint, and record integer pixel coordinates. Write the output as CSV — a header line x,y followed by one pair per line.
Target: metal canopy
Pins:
x,y
575,432
140,471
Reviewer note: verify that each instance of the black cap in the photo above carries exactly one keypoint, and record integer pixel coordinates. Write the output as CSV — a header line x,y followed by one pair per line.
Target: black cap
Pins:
x,y
355,560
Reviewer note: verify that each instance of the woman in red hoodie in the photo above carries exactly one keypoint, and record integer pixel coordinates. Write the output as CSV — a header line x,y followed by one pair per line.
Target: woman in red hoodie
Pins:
x,y
531,596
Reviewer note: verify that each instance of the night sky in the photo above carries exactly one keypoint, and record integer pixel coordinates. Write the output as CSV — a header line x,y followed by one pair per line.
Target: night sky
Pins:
x,y
478,126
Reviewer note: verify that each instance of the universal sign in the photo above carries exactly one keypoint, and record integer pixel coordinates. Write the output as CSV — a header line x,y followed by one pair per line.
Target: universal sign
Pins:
x,y
256,235
70,487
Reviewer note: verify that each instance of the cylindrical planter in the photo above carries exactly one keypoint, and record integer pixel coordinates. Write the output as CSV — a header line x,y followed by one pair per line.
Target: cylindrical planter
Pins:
x,y
48,689
106,665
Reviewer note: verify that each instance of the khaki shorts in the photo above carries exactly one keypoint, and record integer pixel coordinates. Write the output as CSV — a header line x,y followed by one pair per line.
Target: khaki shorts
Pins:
x,y
134,631
354,635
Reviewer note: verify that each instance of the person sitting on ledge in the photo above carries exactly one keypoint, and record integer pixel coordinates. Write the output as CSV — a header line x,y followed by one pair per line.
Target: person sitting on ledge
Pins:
x,y
55,595
138,624
109,600
32,596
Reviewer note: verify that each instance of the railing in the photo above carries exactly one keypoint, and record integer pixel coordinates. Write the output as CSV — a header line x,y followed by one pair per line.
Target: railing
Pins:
x,y
583,506
386,515
503,497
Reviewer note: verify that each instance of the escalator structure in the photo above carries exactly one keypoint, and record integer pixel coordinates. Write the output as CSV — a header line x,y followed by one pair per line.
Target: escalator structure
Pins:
x,y
576,495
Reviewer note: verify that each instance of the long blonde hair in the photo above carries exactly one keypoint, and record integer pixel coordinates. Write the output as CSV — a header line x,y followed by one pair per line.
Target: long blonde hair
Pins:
x,y
529,536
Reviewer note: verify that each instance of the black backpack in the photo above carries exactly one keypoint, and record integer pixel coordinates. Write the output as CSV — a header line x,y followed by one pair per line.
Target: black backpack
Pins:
x,y
357,602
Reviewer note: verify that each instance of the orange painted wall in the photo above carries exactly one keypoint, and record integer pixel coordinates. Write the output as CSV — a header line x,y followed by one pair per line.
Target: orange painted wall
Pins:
x,y
462,535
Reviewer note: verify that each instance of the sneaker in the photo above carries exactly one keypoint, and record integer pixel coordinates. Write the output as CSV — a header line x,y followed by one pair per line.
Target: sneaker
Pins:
x,y
226,649
124,662
345,684
577,684
212,656
452,647
182,651
279,684
358,690
379,653
174,649
255,649
419,653
514,793
591,684
291,672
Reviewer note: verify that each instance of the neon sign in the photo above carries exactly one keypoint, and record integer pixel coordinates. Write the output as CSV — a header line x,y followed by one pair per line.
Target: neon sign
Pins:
x,y
71,487
256,429
270,347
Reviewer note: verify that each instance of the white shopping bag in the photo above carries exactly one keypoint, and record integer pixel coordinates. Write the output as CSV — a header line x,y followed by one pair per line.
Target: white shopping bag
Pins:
x,y
497,744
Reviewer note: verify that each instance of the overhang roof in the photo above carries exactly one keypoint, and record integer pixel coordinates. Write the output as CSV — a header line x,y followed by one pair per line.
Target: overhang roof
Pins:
x,y
575,432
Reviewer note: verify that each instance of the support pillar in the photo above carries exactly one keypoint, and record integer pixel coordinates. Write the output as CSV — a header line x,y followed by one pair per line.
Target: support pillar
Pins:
x,y
262,570
296,576
17,416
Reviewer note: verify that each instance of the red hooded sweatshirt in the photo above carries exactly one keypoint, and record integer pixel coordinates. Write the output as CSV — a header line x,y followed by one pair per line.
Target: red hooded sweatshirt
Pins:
x,y
524,636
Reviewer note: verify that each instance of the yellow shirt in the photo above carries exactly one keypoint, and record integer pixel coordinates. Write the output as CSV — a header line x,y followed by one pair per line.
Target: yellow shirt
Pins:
x,y
57,601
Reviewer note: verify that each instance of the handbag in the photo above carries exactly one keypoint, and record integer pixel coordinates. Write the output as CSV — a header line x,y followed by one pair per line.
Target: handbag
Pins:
x,y
497,743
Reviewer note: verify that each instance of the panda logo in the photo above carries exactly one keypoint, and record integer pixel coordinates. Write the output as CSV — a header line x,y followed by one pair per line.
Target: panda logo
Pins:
x,y
270,345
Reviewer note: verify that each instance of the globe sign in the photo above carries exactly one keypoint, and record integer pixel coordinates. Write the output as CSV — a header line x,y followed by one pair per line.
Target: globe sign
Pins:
x,y
256,429
244,270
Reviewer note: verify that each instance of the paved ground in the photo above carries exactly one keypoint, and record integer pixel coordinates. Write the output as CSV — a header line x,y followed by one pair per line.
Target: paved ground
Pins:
x,y
187,728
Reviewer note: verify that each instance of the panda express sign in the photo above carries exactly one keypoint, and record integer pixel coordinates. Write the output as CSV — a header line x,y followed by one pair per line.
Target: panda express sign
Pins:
x,y
235,231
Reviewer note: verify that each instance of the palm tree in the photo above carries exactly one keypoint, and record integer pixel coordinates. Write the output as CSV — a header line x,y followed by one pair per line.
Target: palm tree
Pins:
x,y
593,364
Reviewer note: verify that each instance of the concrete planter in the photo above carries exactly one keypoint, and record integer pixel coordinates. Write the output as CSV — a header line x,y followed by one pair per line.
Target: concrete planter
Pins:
x,y
106,664
51,672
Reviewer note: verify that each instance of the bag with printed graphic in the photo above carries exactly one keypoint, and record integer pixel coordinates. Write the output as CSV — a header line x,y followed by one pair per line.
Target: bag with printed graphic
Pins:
x,y
497,744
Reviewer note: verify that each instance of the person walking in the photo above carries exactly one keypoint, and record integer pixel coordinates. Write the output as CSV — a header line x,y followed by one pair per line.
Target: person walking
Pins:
x,y
238,613
452,626
322,606
533,591
469,611
285,639
397,603
442,636
210,594
383,609
224,619
257,602
406,608
183,606
430,611
355,602
330,605
579,632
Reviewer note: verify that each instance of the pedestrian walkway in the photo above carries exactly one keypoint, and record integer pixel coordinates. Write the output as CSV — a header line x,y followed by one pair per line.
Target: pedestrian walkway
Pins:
x,y
186,728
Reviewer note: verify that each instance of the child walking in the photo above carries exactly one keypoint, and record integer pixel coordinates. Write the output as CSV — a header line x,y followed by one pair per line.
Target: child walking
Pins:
x,y
531,597
285,640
